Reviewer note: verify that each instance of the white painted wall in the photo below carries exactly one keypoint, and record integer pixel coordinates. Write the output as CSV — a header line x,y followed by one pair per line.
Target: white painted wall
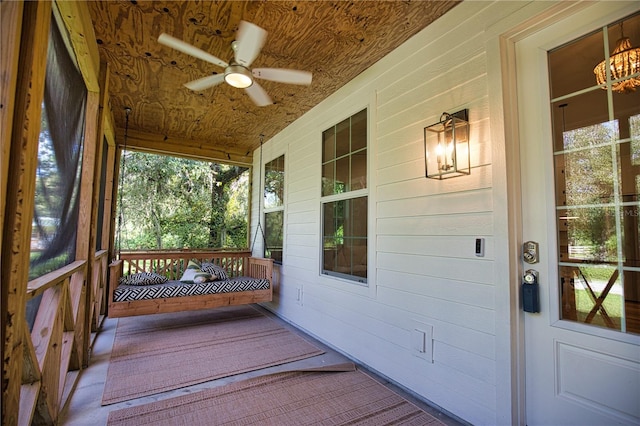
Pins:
x,y
422,267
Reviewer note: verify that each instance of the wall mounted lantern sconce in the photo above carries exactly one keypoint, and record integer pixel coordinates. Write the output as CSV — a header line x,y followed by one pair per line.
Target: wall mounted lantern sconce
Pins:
x,y
446,146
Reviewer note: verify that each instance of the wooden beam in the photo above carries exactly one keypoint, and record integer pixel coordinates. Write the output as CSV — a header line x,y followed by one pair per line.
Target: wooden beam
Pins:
x,y
77,20
31,369
106,120
10,27
109,127
85,241
115,225
47,342
109,202
95,137
192,149
37,286
18,214
28,399
10,31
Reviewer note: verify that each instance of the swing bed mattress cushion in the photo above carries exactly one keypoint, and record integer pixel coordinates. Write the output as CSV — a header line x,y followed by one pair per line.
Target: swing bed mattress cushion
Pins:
x,y
172,288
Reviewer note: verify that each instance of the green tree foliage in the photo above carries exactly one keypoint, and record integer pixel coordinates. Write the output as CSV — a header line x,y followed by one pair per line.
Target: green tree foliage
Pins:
x,y
589,186
172,202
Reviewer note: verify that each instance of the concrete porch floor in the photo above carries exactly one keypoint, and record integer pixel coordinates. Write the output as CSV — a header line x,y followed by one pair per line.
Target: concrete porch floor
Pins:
x,y
84,407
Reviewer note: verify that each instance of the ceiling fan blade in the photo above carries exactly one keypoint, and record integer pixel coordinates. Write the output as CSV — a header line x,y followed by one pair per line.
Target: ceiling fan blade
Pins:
x,y
185,47
258,95
250,39
205,82
282,75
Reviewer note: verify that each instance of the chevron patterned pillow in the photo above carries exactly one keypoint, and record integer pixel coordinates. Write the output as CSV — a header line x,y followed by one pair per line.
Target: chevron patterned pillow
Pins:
x,y
216,271
143,278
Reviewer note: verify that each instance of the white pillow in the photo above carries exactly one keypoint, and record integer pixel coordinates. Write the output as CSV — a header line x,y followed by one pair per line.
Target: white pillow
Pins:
x,y
195,276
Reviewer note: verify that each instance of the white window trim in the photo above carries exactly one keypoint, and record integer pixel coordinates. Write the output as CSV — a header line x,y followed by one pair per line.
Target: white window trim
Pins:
x,y
369,288
281,208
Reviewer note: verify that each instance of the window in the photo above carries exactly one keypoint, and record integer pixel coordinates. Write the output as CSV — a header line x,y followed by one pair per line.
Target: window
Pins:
x,y
274,208
596,134
345,199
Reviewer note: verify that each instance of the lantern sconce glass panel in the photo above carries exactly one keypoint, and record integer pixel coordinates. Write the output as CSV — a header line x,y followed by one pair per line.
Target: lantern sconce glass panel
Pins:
x,y
446,146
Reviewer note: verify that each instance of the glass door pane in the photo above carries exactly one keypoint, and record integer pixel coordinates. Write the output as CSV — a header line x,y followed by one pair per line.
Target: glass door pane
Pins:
x,y
596,128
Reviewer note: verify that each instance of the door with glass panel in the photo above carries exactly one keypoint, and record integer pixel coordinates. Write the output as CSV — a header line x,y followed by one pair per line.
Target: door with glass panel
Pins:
x,y
579,120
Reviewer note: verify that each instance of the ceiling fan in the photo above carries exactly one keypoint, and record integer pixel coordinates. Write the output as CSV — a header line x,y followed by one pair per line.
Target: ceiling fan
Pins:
x,y
249,41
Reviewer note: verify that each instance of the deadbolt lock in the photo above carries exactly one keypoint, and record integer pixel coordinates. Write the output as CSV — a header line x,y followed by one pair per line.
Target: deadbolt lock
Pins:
x,y
530,251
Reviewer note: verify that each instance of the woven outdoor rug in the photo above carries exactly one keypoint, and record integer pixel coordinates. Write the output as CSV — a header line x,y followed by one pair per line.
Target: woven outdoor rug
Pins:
x,y
294,398
157,353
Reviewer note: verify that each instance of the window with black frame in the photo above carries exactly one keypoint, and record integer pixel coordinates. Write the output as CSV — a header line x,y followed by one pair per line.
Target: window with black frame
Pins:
x,y
345,199
274,208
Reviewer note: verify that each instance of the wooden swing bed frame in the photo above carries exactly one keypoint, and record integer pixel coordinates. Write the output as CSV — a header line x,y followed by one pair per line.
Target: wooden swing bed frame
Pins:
x,y
172,265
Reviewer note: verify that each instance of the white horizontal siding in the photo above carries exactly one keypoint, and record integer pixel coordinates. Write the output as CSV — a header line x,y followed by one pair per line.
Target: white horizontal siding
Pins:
x,y
440,204
411,175
439,245
300,185
479,224
308,264
301,240
448,289
475,318
305,228
297,205
422,268
358,336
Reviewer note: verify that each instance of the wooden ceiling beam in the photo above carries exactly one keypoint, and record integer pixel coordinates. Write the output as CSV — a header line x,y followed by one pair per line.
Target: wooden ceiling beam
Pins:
x,y
201,150
77,20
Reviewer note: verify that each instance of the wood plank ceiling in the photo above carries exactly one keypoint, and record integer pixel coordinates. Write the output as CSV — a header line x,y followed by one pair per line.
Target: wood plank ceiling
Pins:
x,y
335,40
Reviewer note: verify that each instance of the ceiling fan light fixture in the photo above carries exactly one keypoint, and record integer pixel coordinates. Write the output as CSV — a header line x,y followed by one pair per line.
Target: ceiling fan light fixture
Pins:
x,y
237,73
238,76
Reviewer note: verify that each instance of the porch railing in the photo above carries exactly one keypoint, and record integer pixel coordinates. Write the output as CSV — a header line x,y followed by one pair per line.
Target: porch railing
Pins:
x,y
56,349
172,263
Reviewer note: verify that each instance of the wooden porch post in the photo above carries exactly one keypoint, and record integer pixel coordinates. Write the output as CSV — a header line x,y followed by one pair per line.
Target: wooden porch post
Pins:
x,y
20,171
85,241
109,135
114,202
108,227
10,28
77,20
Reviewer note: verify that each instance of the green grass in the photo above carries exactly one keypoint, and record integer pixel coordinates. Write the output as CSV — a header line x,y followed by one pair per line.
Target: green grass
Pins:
x,y
612,305
47,266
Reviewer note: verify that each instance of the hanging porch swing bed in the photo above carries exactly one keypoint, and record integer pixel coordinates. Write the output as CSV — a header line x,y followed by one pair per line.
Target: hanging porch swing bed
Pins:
x,y
174,281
